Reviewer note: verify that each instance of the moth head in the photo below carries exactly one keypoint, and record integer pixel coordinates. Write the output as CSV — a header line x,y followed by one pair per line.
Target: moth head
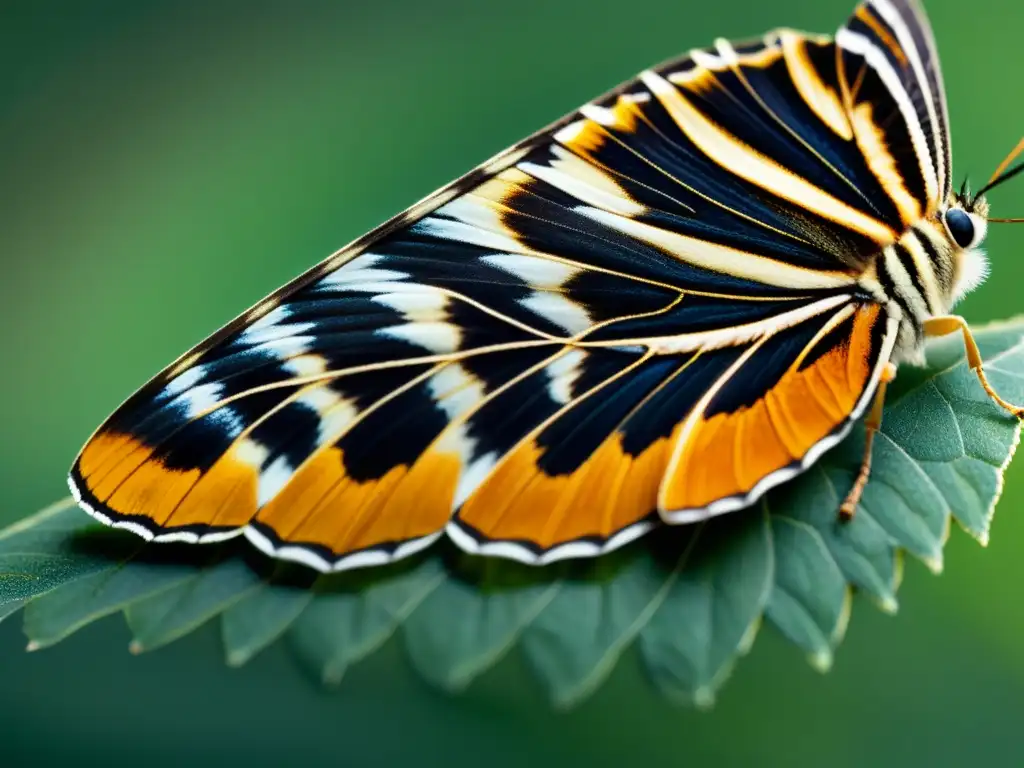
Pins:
x,y
965,222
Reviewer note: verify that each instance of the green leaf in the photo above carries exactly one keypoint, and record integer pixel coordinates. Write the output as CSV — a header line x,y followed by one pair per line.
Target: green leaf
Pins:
x,y
56,614
45,551
157,620
574,643
264,614
688,599
493,609
353,614
809,599
713,607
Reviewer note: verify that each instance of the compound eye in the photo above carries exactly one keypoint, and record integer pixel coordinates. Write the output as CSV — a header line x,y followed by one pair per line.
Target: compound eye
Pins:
x,y
960,227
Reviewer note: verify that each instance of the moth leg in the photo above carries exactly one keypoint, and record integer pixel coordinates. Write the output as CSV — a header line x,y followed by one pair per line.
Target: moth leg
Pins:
x,y
872,423
941,326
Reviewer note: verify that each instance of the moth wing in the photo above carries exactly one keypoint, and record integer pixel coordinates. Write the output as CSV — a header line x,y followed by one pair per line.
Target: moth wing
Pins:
x,y
345,419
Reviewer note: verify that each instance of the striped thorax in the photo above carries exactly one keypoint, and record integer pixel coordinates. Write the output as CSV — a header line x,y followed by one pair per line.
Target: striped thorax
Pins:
x,y
931,267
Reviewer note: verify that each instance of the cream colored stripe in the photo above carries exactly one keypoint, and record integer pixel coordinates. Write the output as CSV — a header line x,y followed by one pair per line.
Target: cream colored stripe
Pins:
x,y
729,336
904,284
821,98
925,270
860,45
892,17
828,102
583,181
826,329
721,258
748,164
872,144
935,233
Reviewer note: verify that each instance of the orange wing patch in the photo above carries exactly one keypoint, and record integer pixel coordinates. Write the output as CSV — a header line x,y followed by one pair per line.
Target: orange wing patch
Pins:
x,y
123,474
580,482
726,454
109,459
323,506
610,492
225,495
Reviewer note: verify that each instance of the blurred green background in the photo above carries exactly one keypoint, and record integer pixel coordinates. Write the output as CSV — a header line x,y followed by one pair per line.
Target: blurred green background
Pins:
x,y
165,164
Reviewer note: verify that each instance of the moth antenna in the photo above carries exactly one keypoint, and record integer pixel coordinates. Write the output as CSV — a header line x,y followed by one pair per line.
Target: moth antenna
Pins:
x,y
1006,161
1005,221
1002,175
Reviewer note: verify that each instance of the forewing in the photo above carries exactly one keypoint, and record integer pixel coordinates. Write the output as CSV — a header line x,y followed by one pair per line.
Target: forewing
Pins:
x,y
892,89
622,258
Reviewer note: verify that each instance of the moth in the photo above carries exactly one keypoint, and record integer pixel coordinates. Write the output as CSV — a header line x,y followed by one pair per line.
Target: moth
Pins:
x,y
650,312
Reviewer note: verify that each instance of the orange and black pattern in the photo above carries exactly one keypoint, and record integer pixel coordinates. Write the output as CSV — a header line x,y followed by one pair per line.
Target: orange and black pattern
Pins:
x,y
654,310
